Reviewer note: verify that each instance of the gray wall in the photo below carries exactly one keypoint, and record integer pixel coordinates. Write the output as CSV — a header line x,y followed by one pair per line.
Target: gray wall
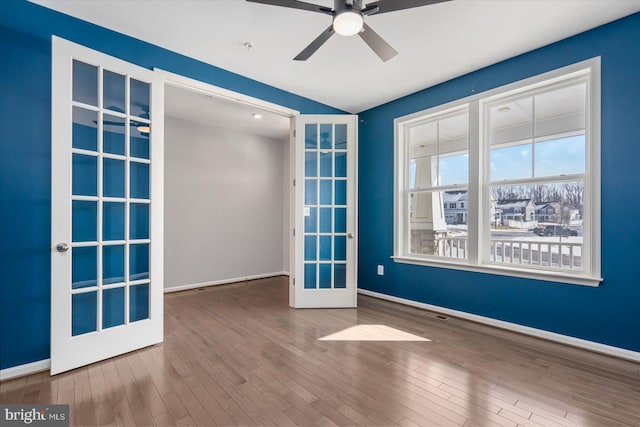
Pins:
x,y
226,208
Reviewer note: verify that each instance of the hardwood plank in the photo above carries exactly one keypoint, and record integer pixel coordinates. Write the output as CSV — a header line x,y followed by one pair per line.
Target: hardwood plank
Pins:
x,y
238,355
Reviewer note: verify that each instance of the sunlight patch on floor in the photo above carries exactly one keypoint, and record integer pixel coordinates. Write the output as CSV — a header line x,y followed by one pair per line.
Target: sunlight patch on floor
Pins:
x,y
372,333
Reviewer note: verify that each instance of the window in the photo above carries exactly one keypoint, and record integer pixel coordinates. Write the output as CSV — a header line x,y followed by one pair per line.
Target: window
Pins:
x,y
521,163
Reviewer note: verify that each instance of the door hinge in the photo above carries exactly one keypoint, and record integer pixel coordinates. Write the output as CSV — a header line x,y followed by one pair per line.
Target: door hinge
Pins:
x,y
294,133
294,231
294,182
294,281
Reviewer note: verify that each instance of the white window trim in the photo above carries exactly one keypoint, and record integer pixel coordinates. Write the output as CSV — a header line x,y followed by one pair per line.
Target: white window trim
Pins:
x,y
478,232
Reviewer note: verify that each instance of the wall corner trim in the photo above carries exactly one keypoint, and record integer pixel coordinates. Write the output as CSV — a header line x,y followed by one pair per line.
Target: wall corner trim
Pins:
x,y
26,369
514,327
224,281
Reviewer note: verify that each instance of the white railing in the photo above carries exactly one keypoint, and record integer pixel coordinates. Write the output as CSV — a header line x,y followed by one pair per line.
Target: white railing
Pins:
x,y
564,255
452,247
542,254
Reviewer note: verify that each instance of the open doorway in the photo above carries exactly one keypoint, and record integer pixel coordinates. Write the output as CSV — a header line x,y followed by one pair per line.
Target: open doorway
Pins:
x,y
226,188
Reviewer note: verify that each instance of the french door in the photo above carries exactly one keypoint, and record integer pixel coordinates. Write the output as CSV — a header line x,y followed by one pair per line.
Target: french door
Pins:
x,y
324,212
106,260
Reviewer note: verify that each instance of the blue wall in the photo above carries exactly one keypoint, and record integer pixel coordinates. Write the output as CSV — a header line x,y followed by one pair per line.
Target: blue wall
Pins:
x,y
609,314
25,155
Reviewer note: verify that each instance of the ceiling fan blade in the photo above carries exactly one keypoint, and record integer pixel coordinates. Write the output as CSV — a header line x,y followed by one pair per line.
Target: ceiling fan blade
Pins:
x,y
294,4
377,43
384,6
315,45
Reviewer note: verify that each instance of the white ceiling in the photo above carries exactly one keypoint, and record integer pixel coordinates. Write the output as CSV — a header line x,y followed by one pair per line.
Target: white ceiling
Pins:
x,y
435,43
224,113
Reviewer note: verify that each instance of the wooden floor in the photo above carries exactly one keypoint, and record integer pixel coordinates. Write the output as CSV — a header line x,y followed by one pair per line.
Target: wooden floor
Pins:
x,y
238,355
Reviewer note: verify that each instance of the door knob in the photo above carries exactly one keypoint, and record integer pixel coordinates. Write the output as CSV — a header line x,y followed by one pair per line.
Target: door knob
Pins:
x,y
62,247
351,235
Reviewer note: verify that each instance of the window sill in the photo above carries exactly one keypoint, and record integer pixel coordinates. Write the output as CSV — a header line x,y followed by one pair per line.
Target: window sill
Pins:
x,y
550,276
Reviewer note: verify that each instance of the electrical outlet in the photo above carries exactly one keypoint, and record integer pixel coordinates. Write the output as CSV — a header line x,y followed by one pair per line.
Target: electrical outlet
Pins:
x,y
381,270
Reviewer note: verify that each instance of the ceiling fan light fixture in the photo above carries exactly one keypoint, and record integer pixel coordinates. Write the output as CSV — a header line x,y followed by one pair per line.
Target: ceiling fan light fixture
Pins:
x,y
348,22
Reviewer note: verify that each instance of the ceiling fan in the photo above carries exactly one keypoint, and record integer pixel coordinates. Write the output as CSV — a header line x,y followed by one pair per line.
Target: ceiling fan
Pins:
x,y
348,20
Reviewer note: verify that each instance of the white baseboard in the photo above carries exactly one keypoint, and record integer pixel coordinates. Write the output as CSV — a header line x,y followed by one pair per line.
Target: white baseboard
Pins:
x,y
539,333
225,281
26,369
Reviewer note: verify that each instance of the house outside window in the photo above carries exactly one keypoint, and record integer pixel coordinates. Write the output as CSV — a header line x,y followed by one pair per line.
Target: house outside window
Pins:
x,y
505,181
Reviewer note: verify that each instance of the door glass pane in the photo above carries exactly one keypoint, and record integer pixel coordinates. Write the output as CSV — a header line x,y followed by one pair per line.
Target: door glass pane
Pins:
x,y
310,191
325,191
85,129
324,281
340,248
311,136
112,221
511,162
325,220
310,276
341,192
139,262
311,164
85,175
113,178
139,180
85,83
112,264
84,221
139,221
326,160
310,248
113,135
112,307
340,220
341,164
139,106
310,220
326,136
325,248
139,139
113,91
138,302
339,275
84,266
341,137
84,309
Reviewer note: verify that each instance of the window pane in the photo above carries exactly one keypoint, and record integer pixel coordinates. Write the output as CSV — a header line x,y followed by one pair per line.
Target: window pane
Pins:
x,y
139,180
113,91
112,307
85,129
113,221
561,110
326,136
310,276
84,267
112,264
113,181
311,164
139,142
539,225
325,276
138,302
139,221
438,223
311,136
139,99
511,162
511,120
84,313
85,83
560,156
84,220
85,175
139,262
454,169
113,135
